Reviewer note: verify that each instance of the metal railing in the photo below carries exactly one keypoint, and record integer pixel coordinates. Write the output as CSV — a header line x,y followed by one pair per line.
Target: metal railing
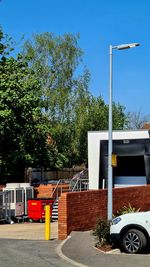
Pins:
x,y
80,185
79,182
61,186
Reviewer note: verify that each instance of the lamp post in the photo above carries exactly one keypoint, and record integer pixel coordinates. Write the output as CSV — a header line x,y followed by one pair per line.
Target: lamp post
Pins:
x,y
110,170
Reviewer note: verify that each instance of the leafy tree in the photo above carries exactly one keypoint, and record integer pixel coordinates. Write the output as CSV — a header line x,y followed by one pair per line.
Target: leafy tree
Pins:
x,y
24,128
46,107
68,104
55,59
94,117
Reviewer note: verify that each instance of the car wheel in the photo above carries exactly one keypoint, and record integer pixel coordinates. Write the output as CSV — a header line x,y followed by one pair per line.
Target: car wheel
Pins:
x,y
134,241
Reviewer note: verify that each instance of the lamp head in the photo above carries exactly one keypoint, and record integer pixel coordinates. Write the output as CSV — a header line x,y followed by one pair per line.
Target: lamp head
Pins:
x,y
126,46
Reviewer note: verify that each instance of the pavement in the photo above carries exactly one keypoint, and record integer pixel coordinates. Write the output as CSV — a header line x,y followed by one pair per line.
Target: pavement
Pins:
x,y
27,231
77,250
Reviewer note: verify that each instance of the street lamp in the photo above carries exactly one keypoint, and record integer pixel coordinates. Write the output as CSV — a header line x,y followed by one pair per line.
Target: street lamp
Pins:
x,y
110,170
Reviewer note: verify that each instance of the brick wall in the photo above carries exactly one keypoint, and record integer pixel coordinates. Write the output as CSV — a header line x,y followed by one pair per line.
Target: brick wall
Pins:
x,y
46,190
43,191
80,210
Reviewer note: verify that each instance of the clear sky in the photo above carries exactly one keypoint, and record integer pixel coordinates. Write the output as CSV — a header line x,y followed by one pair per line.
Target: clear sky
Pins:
x,y
100,23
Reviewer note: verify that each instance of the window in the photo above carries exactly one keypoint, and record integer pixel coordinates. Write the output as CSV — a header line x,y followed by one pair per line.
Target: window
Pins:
x,y
18,195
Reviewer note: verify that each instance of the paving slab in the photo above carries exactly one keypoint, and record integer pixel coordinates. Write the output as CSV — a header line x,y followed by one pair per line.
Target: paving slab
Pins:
x,y
27,231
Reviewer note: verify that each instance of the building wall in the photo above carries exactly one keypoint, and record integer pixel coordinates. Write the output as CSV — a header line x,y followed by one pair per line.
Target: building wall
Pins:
x,y
94,139
81,210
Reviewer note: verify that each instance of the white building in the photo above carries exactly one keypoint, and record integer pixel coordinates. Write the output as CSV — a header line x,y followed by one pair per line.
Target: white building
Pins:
x,y
133,158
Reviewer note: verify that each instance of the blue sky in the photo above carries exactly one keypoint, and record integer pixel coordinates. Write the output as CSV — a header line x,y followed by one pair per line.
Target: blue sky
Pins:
x,y
100,23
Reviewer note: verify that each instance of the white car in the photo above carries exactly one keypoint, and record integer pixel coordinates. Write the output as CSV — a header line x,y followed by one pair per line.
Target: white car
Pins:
x,y
131,231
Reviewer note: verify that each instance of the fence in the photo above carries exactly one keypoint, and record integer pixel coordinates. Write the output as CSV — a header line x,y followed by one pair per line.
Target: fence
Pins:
x,y
5,206
47,174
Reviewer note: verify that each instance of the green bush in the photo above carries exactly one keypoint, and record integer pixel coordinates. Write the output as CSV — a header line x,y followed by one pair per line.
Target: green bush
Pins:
x,y
101,231
125,210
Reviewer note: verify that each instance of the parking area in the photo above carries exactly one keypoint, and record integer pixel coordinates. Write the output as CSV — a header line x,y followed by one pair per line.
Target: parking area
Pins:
x,y
27,231
23,245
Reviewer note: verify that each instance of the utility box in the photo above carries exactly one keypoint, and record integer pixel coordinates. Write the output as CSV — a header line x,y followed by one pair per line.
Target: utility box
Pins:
x,y
36,208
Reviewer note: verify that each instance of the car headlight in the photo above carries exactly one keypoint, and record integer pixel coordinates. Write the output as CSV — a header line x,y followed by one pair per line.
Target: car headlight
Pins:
x,y
116,220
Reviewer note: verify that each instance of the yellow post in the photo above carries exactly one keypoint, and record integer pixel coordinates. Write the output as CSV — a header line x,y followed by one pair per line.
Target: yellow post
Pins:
x,y
47,222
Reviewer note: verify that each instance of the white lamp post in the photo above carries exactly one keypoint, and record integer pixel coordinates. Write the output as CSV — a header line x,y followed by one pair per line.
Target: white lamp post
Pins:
x,y
110,171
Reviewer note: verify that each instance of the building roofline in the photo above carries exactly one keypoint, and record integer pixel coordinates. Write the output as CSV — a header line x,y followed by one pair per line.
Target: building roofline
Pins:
x,y
126,130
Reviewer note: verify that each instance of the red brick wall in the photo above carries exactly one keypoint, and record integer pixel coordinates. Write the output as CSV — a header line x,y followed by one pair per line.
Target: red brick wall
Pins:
x,y
80,210
45,191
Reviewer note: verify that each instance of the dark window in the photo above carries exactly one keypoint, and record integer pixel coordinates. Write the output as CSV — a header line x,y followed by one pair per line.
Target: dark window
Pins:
x,y
130,166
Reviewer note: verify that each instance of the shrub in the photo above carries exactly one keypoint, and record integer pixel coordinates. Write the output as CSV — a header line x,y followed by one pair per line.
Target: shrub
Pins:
x,y
125,210
101,231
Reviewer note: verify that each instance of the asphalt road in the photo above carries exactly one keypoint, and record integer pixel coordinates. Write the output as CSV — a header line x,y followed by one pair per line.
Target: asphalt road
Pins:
x,y
24,246
28,253
32,253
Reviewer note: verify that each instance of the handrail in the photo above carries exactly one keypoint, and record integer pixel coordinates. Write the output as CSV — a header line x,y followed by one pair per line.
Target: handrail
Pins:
x,y
60,182
81,181
56,187
77,183
73,189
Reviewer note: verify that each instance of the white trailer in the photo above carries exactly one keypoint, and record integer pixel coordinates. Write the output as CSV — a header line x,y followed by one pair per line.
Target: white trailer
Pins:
x,y
18,194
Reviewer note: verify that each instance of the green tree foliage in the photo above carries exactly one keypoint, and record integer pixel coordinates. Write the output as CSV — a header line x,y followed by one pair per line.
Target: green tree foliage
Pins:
x,y
54,59
94,117
23,128
46,107
68,104
56,62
